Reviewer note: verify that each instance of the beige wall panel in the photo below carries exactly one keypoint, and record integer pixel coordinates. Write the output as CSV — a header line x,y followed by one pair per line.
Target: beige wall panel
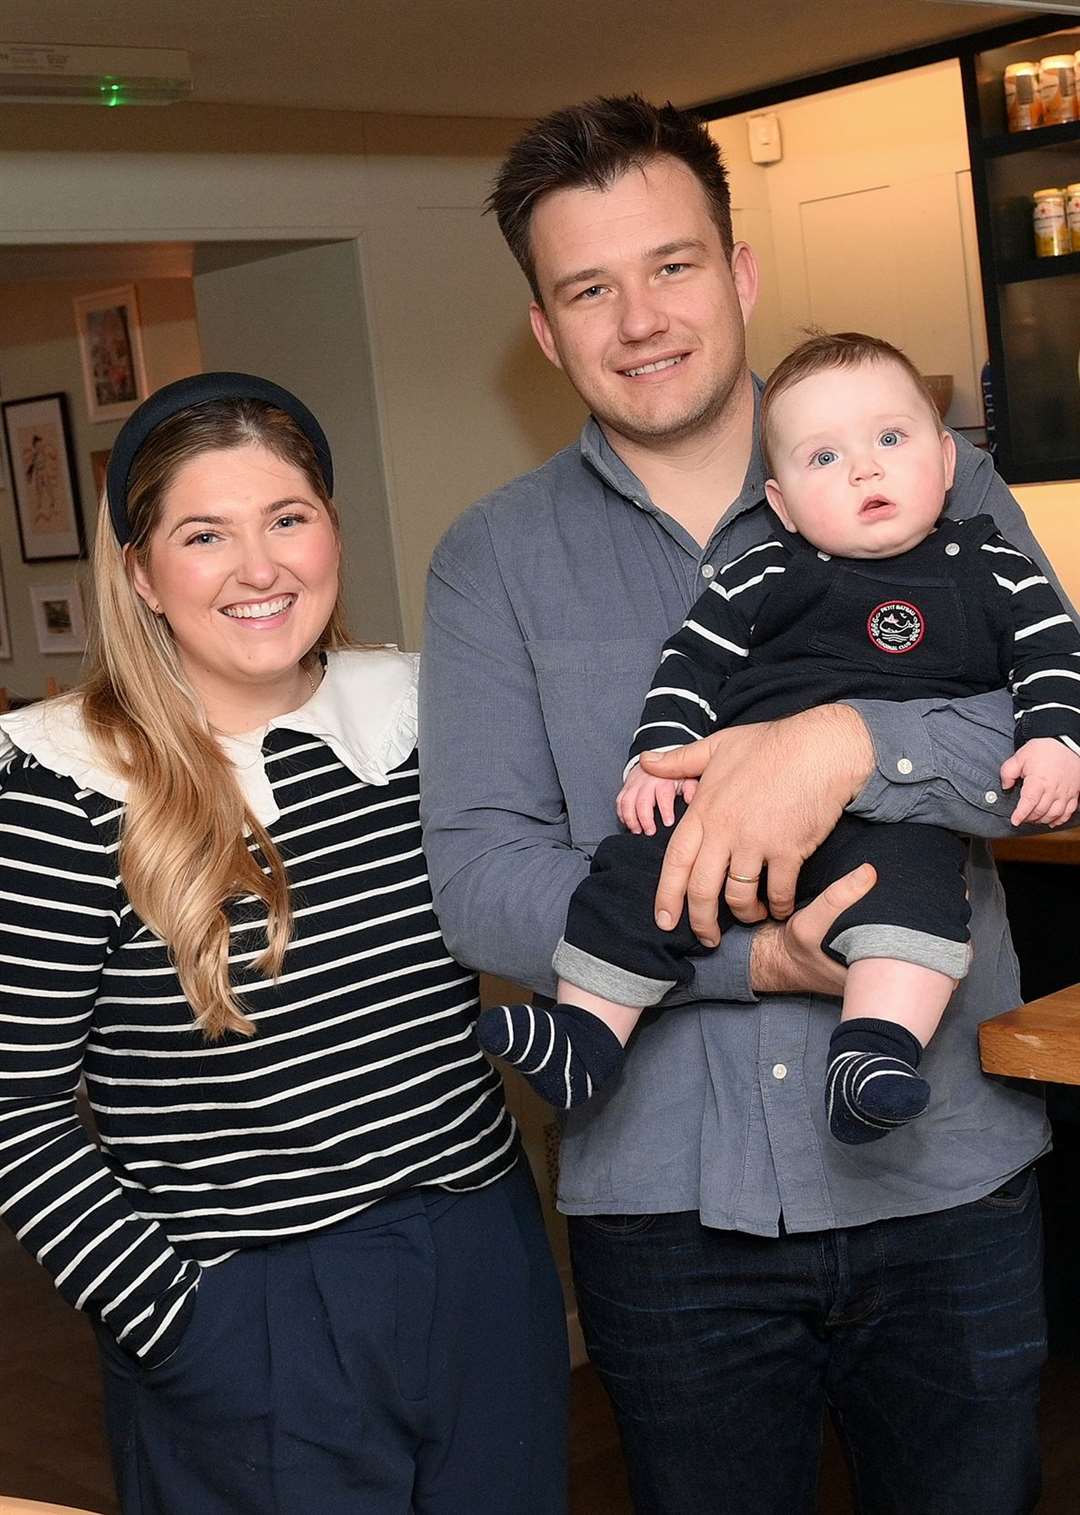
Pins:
x,y
904,135
849,252
1053,512
751,216
299,318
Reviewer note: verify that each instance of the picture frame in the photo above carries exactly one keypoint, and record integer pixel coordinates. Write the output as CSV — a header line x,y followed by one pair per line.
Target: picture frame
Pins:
x,y
43,479
5,633
59,620
110,346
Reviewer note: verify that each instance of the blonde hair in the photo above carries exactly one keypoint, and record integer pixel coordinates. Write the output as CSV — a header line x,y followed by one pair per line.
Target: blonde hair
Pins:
x,y
183,849
825,350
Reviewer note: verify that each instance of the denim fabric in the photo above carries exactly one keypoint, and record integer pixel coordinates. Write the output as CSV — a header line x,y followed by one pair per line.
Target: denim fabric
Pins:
x,y
413,1358
923,1337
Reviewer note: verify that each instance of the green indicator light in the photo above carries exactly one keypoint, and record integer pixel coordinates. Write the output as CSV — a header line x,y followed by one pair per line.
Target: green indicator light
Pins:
x,y
112,92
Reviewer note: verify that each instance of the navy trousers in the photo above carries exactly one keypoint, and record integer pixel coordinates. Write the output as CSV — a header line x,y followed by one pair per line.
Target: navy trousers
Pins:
x,y
410,1361
923,1336
920,888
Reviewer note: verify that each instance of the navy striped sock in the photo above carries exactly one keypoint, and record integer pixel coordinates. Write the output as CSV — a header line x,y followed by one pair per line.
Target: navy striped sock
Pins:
x,y
871,1086
565,1053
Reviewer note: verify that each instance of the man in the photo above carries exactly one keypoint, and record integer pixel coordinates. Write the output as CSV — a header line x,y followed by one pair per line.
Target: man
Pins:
x,y
736,1267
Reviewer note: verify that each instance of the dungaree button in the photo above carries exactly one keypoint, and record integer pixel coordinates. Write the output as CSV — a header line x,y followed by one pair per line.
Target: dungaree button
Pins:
x,y
904,765
707,570
951,549
779,1070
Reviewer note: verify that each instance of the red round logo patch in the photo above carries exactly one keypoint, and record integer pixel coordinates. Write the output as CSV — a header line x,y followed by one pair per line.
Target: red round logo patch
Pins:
x,y
895,626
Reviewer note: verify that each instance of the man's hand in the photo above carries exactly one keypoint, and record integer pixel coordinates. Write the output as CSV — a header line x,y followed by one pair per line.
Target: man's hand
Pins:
x,y
768,795
786,957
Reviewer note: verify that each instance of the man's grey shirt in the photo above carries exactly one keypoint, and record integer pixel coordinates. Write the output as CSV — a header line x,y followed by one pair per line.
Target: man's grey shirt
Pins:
x,y
548,603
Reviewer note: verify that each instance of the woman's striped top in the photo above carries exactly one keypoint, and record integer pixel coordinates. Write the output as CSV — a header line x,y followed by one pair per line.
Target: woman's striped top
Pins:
x,y
364,1076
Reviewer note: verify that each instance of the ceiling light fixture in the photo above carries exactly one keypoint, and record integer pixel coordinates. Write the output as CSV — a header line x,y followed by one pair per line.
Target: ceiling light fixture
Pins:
x,y
51,74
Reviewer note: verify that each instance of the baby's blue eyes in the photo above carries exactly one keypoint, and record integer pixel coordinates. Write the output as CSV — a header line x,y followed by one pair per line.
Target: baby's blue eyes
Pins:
x,y
828,455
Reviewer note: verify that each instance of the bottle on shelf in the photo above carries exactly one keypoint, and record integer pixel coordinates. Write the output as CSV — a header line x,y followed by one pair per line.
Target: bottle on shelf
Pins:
x,y
1057,85
1072,214
1023,102
1052,238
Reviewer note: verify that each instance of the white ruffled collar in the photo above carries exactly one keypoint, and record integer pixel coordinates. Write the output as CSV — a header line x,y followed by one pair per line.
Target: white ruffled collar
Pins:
x,y
364,710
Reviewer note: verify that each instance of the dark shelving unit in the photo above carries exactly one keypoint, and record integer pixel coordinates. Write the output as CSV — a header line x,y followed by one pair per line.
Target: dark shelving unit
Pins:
x,y
1032,304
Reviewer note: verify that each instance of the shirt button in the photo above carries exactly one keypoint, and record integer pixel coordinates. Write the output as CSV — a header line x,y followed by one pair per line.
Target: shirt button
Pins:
x,y
951,549
990,796
825,557
707,570
779,1070
904,765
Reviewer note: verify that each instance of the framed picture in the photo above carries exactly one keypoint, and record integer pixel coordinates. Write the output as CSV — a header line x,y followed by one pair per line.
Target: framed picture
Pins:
x,y
112,357
58,617
5,635
43,478
99,463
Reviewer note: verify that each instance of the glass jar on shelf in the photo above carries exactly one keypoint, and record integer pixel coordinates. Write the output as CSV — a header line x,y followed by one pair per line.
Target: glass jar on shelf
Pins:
x,y
1052,239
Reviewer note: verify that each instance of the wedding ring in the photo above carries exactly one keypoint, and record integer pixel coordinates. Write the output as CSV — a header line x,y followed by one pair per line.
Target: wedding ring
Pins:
x,y
741,878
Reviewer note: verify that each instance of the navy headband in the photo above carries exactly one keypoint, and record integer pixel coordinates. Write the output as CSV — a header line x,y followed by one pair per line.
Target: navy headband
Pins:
x,y
197,390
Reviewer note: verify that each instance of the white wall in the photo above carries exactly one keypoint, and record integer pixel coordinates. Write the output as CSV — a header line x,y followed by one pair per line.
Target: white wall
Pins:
x,y
39,354
867,223
284,316
464,402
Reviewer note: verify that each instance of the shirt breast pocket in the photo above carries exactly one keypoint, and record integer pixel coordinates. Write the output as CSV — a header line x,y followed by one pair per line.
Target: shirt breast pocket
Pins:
x,y
591,694
911,629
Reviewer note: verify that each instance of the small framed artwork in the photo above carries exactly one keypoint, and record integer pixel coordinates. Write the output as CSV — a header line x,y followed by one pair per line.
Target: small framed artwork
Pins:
x,y
99,463
58,617
110,343
5,635
43,478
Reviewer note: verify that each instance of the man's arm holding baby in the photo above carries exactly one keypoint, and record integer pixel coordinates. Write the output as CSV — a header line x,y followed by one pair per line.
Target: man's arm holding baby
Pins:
x,y
497,838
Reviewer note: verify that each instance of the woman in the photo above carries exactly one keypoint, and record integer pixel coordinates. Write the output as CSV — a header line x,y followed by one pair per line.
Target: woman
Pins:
x,y
310,1245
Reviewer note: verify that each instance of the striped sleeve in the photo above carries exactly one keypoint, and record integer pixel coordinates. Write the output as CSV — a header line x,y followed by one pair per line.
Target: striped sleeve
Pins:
x,y
708,647
1045,673
59,907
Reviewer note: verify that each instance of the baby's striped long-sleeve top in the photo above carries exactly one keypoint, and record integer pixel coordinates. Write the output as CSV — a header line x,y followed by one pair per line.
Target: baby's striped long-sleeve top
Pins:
x,y
786,627
363,1078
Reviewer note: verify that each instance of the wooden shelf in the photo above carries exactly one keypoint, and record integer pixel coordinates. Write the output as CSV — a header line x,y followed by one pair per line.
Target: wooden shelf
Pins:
x,y
1004,144
1050,847
1020,270
1040,1040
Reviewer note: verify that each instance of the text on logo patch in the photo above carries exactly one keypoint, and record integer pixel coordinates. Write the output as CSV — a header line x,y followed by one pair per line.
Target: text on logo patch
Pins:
x,y
895,626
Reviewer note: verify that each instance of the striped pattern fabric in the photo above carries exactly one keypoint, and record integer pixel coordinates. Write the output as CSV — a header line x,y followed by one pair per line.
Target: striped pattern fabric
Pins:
x,y
364,1077
1045,677
716,640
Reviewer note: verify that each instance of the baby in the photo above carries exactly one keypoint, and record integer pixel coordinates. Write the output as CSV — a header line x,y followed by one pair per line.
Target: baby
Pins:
x,y
864,591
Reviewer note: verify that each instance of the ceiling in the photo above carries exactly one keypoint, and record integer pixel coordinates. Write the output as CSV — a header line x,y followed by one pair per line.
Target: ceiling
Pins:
x,y
515,58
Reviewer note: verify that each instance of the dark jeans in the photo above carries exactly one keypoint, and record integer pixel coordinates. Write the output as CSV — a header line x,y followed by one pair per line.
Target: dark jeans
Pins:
x,y
923,1336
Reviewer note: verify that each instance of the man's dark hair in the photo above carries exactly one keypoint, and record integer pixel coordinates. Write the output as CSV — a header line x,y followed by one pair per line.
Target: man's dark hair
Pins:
x,y
592,145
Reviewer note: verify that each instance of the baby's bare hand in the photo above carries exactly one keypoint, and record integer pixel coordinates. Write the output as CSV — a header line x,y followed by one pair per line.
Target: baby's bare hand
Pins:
x,y
641,796
1050,789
